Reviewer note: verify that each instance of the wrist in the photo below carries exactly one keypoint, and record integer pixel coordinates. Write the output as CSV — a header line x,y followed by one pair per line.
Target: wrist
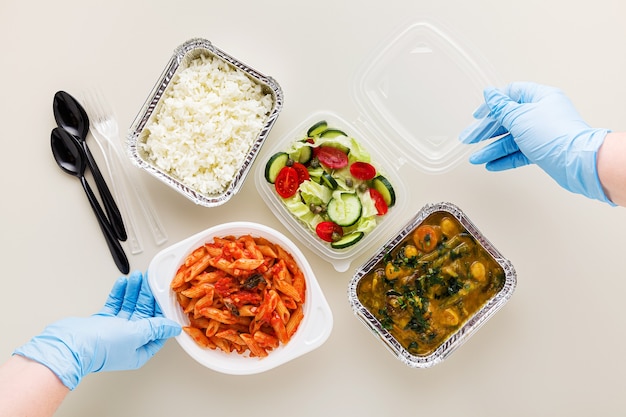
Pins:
x,y
22,378
582,175
612,167
55,354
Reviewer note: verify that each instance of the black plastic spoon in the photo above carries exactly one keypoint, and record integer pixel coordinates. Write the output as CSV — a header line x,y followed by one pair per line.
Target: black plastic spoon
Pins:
x,y
71,116
71,157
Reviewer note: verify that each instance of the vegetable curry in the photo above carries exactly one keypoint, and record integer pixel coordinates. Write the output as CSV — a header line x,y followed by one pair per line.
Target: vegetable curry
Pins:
x,y
429,285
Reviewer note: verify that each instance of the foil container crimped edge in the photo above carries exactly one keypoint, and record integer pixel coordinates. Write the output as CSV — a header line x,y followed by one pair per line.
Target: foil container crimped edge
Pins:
x,y
180,58
472,324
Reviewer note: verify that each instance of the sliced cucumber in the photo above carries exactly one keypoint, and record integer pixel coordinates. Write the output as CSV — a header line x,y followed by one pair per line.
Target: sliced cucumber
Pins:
x,y
274,165
317,128
383,186
316,173
345,210
332,133
328,180
347,240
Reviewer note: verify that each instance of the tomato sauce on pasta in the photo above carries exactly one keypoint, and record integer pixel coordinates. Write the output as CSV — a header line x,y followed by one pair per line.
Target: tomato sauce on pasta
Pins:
x,y
241,294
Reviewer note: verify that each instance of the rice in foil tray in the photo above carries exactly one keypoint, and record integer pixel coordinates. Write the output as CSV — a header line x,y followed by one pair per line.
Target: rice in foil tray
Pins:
x,y
206,123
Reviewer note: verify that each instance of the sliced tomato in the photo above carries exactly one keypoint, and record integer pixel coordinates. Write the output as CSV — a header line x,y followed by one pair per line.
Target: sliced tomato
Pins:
x,y
379,202
325,231
286,183
332,157
362,171
303,173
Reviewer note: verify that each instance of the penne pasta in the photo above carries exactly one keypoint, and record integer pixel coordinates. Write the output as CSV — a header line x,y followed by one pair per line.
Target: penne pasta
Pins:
x,y
265,340
267,251
223,316
279,328
246,264
198,336
208,277
199,323
197,267
294,321
299,284
289,302
241,294
202,303
248,310
212,327
255,349
196,291
231,335
282,310
195,256
222,344
191,305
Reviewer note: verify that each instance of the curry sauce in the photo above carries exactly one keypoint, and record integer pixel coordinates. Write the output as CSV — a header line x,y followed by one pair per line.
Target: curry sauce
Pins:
x,y
429,285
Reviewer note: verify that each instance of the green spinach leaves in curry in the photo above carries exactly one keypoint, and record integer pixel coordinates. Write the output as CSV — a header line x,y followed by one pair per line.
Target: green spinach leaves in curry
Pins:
x,y
430,284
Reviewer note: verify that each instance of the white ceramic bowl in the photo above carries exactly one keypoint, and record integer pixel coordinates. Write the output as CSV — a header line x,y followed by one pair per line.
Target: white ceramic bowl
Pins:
x,y
313,331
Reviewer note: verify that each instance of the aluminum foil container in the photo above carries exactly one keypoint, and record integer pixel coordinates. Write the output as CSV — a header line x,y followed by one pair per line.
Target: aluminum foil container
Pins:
x,y
180,60
467,328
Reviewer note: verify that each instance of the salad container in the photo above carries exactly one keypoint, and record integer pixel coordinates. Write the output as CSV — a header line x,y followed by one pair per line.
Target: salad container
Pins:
x,y
339,257
312,332
371,317
415,94
180,60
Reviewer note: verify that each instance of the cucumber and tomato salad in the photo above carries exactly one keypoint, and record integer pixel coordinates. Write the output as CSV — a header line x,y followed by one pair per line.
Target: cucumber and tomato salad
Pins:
x,y
327,181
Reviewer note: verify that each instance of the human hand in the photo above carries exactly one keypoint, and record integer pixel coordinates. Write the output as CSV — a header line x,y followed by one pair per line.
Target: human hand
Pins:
x,y
539,125
128,331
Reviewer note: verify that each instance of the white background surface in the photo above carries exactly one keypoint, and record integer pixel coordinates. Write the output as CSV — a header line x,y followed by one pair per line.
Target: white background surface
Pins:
x,y
555,349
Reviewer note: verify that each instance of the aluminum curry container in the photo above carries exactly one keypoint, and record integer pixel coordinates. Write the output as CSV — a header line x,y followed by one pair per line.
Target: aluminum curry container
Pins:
x,y
181,59
394,296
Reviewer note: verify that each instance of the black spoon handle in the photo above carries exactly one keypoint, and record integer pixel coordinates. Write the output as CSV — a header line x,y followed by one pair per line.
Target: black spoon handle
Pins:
x,y
113,212
114,245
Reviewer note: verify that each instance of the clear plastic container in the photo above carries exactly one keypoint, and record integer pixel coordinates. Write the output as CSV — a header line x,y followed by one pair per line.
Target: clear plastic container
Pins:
x,y
419,90
467,328
312,332
339,258
179,61
415,94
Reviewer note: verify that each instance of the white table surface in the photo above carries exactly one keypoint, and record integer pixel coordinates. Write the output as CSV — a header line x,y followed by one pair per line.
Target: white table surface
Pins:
x,y
555,349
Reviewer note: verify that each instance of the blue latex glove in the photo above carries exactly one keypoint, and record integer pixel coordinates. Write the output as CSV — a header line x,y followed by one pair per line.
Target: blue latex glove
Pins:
x,y
128,331
541,126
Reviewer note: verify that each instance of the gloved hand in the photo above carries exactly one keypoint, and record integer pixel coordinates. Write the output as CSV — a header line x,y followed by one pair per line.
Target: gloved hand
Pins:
x,y
128,331
541,126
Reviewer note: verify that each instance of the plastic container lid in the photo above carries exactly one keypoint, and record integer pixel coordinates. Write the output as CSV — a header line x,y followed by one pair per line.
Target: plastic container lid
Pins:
x,y
420,90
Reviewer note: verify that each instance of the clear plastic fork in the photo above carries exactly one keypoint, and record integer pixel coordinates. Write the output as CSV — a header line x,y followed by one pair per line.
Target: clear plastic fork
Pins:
x,y
106,132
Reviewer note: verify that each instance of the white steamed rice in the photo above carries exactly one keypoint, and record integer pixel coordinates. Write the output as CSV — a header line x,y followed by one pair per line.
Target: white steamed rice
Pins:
x,y
206,122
